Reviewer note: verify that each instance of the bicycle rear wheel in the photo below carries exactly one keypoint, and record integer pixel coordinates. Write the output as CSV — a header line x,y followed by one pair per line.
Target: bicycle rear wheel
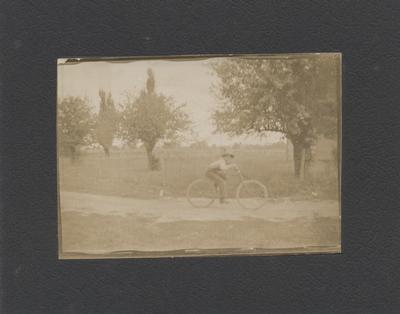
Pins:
x,y
251,194
201,193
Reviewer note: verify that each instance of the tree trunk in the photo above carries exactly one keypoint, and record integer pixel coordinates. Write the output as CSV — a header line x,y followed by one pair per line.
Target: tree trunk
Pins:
x,y
297,158
151,159
149,153
106,151
72,151
302,164
307,162
287,149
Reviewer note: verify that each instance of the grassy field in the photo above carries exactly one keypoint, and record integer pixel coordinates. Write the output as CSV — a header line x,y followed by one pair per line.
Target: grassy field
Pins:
x,y
113,203
125,173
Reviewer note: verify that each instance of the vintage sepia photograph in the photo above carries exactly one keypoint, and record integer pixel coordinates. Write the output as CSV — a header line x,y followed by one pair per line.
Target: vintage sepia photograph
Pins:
x,y
199,155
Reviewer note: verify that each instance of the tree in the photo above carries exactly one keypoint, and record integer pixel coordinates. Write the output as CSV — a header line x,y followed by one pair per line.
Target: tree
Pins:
x,y
106,121
152,117
296,96
75,124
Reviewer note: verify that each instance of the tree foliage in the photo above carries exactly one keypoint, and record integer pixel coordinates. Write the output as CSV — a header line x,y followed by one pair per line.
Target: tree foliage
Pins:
x,y
75,124
152,117
106,126
262,95
296,96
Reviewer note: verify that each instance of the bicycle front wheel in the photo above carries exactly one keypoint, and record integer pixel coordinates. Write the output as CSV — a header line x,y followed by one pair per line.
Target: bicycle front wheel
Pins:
x,y
251,194
201,193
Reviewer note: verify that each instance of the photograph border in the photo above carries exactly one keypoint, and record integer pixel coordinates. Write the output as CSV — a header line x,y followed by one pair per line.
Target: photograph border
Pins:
x,y
186,253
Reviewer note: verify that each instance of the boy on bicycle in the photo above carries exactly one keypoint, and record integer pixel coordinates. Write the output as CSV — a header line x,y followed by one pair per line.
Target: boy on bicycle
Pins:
x,y
216,172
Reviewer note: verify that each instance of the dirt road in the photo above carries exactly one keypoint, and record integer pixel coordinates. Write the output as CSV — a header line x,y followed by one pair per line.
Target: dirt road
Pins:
x,y
96,223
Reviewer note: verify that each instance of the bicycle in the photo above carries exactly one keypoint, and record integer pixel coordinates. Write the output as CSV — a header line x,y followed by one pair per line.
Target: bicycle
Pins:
x,y
250,194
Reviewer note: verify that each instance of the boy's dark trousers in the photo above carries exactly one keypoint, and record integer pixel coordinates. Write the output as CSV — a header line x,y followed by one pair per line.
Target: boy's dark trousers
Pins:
x,y
219,178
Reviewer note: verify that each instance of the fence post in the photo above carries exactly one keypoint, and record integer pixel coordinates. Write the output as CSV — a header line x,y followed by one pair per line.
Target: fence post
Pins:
x,y
163,170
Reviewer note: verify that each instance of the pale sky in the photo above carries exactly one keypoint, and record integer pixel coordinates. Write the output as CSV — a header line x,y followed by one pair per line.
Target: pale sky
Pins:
x,y
185,81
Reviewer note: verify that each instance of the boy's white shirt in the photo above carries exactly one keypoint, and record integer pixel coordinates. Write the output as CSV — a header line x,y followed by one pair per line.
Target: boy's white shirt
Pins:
x,y
221,164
